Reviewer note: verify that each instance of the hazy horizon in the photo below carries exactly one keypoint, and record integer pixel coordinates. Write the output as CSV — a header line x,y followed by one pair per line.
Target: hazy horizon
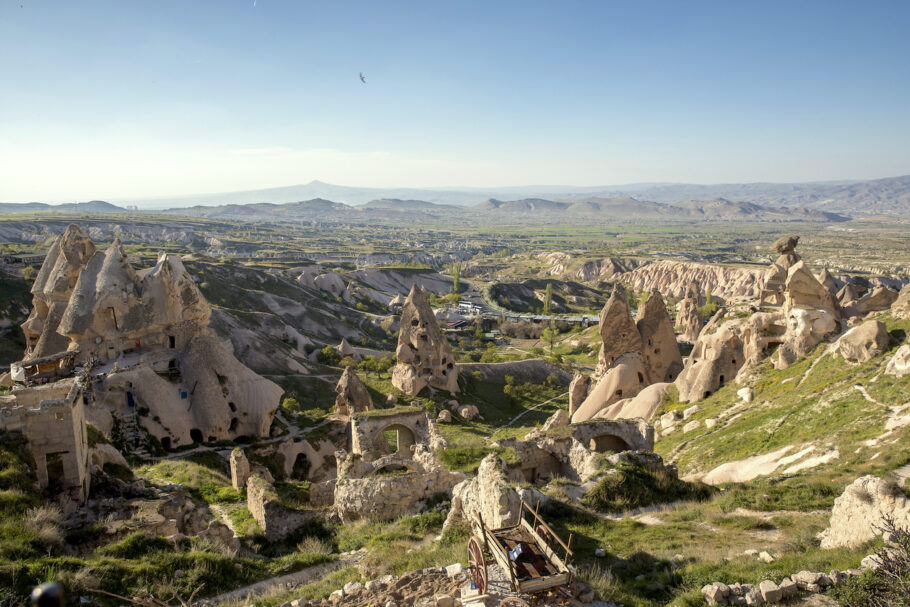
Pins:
x,y
123,101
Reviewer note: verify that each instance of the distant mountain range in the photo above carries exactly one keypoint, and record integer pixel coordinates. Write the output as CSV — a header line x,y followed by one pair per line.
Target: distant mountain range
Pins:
x,y
818,201
95,206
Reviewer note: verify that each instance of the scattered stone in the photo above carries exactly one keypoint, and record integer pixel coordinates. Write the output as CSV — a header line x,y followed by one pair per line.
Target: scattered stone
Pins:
x,y
444,600
765,557
578,391
710,422
770,591
788,588
669,419
600,553
692,425
468,412
454,569
391,399
444,417
745,394
690,411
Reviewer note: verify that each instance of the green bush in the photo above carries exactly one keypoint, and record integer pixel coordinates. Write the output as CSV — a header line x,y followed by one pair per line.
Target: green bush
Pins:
x,y
631,485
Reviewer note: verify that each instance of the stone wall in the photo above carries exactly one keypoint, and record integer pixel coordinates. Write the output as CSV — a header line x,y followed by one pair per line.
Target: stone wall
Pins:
x,y
55,429
276,520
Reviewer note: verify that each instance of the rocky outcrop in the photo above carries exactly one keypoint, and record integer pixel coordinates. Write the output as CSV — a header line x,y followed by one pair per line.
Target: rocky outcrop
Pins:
x,y
624,379
672,278
643,405
632,355
901,306
618,332
687,315
114,308
659,348
859,512
578,391
240,469
805,329
862,343
424,356
51,292
353,396
715,360
488,494
603,268
877,300
804,291
761,334
810,311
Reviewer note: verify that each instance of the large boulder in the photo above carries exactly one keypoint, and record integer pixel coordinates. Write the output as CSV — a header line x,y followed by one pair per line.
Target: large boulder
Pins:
x,y
858,513
659,348
899,365
424,355
862,343
625,378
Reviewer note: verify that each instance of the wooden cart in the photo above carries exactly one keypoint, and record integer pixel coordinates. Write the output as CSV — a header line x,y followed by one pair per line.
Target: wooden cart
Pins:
x,y
527,552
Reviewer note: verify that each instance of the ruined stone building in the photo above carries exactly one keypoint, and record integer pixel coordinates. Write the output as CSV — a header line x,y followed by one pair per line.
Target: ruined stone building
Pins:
x,y
424,355
145,336
52,420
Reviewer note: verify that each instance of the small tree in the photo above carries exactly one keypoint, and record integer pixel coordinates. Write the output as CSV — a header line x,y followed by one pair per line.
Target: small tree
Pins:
x,y
549,336
548,299
28,273
456,278
329,356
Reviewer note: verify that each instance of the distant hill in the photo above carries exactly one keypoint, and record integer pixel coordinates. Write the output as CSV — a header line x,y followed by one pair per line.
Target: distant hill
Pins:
x,y
395,204
890,196
94,206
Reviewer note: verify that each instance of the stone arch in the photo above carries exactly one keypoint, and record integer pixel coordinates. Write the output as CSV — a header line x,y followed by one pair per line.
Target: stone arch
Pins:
x,y
404,439
608,442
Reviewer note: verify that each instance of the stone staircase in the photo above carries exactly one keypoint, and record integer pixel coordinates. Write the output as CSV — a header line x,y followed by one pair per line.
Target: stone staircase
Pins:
x,y
130,426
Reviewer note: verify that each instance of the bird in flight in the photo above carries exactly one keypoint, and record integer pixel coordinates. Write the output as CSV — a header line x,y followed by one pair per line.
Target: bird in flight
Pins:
x,y
363,78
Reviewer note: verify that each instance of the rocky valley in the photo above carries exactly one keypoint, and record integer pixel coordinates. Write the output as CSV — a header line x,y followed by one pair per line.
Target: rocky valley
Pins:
x,y
247,413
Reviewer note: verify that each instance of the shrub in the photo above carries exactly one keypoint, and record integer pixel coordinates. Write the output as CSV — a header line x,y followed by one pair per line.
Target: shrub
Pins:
x,y
632,485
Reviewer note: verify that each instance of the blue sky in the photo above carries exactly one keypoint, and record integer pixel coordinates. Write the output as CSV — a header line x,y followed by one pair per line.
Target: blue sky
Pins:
x,y
128,98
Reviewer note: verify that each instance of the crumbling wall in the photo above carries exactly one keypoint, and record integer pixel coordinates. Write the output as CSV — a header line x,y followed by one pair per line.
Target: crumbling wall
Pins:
x,y
413,426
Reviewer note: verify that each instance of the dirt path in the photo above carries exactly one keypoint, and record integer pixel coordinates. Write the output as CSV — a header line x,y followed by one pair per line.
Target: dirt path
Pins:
x,y
528,410
298,578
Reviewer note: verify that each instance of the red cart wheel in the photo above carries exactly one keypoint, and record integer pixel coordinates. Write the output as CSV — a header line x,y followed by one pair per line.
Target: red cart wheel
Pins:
x,y
478,565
